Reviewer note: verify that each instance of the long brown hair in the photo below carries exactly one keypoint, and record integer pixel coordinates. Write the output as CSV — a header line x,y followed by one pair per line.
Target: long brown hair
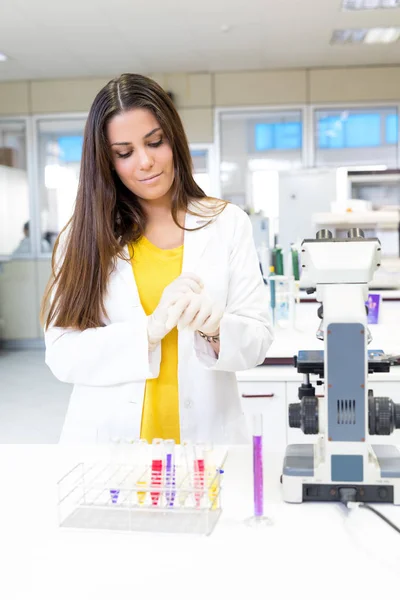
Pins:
x,y
107,214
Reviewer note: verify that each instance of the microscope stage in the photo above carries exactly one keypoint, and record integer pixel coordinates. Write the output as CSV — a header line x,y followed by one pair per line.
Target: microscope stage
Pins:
x,y
312,362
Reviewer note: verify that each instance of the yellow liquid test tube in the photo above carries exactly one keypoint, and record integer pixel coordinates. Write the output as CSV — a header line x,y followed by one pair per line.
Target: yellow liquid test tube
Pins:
x,y
141,496
143,467
212,478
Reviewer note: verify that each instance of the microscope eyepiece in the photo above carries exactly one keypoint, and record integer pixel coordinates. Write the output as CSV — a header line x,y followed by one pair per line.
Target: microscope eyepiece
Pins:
x,y
324,234
355,232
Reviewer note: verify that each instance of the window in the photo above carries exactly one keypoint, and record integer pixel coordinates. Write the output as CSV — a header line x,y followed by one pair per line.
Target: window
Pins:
x,y
14,190
253,142
277,136
60,150
356,136
392,129
202,168
356,131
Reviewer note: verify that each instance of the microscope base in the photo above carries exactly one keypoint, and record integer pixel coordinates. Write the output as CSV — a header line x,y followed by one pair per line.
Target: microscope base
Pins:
x,y
301,485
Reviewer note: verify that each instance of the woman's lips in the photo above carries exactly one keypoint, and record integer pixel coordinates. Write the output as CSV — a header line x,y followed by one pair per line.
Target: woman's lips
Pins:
x,y
151,179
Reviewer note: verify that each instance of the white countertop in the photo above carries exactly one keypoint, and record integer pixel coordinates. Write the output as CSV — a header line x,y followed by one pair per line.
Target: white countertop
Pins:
x,y
312,549
302,336
365,217
385,294
287,373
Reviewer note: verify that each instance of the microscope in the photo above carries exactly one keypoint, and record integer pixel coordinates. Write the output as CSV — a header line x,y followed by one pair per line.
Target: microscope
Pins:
x,y
348,416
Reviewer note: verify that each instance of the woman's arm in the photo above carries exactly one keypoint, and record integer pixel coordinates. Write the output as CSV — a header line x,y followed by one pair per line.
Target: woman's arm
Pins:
x,y
213,340
101,356
245,330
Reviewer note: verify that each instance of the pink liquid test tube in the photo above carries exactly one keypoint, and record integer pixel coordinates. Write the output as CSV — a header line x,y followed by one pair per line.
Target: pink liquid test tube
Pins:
x,y
199,473
156,470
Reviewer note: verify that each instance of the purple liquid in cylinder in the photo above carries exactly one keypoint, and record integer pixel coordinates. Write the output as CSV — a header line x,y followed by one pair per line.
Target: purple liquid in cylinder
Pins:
x,y
258,476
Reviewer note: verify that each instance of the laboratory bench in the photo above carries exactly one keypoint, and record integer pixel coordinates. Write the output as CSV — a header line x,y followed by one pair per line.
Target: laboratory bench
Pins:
x,y
311,548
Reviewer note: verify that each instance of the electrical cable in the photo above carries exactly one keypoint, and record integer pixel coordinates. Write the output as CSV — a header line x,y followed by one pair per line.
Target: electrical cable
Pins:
x,y
379,514
348,497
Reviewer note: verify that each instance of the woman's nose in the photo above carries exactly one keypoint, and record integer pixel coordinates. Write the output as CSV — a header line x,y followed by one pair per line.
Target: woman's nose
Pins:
x,y
145,160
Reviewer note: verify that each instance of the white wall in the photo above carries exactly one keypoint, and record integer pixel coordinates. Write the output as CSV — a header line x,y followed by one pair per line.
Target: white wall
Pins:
x,y
197,95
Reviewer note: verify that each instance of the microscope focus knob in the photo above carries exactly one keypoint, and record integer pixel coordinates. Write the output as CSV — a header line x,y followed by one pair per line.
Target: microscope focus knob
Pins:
x,y
304,415
295,415
384,416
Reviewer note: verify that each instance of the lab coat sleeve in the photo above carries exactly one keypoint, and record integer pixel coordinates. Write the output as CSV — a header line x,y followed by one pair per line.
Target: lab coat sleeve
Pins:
x,y
101,356
245,330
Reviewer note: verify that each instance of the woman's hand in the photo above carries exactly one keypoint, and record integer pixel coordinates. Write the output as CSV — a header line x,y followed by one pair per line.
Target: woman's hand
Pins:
x,y
201,314
174,300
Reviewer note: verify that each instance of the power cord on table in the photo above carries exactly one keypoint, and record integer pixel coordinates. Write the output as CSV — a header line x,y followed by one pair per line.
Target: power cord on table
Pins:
x,y
348,498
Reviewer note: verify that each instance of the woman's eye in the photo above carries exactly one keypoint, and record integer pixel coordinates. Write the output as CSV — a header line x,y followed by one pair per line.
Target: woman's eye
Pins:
x,y
156,144
151,145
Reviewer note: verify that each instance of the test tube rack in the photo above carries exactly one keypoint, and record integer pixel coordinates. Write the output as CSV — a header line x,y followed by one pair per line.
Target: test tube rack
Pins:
x,y
124,496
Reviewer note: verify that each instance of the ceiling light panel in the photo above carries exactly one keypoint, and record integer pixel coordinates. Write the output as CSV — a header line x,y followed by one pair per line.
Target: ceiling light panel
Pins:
x,y
369,4
376,35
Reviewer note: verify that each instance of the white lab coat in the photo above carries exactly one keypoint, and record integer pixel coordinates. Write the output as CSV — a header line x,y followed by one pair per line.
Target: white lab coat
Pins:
x,y
109,365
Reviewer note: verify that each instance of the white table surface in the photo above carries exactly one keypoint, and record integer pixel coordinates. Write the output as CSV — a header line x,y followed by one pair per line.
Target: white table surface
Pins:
x,y
288,342
287,373
311,550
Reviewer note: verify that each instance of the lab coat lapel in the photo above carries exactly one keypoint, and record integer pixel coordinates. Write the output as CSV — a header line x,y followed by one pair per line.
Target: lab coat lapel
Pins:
x,y
124,270
195,242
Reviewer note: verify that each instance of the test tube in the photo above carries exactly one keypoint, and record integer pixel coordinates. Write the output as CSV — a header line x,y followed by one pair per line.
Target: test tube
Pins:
x,y
213,476
169,446
142,458
258,475
198,469
114,449
185,472
156,470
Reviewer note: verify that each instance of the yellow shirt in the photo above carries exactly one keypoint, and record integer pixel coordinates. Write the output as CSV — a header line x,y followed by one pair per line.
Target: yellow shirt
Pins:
x,y
154,269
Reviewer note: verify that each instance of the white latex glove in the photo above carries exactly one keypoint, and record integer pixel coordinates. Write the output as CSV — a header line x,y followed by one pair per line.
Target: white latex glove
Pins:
x,y
175,295
201,314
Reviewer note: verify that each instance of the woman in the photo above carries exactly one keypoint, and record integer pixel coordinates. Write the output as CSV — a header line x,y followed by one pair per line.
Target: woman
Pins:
x,y
157,297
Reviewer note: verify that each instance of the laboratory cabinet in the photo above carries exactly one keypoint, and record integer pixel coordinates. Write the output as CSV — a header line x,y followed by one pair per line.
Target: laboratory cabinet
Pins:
x,y
269,400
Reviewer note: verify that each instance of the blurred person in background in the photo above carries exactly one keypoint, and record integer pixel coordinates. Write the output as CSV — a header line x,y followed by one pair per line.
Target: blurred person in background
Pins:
x,y
24,247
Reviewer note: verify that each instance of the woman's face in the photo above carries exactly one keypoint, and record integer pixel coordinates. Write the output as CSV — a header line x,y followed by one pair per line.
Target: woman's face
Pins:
x,y
141,154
